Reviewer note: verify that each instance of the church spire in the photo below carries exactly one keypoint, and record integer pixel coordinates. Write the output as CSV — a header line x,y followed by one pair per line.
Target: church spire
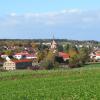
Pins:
x,y
53,44
53,37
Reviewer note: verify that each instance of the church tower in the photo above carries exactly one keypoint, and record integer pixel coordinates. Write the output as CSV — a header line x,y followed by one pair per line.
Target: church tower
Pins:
x,y
53,44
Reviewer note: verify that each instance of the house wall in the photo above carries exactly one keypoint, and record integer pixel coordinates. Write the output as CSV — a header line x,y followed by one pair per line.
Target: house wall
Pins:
x,y
18,56
23,65
9,65
97,58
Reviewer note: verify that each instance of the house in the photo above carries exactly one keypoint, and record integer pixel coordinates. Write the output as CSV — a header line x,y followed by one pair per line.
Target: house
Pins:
x,y
65,56
25,55
30,56
4,56
95,55
9,65
20,55
17,64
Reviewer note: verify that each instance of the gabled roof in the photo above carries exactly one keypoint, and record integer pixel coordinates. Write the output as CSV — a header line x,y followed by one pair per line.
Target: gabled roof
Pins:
x,y
97,55
64,55
22,60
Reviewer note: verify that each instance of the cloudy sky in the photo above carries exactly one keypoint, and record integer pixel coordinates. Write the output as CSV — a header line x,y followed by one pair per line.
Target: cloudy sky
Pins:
x,y
69,19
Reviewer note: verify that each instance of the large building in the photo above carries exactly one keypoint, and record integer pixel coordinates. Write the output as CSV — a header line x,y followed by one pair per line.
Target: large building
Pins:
x,y
17,64
9,65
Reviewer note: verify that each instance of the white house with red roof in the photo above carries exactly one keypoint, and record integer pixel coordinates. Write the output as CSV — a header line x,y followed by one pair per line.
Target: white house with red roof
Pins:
x,y
95,55
25,54
20,55
4,56
17,64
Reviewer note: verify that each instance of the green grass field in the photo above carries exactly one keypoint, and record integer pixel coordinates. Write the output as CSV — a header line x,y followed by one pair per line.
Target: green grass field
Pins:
x,y
71,84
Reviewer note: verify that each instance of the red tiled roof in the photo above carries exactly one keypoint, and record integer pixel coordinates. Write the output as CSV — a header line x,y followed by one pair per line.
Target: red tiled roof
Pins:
x,y
64,55
22,60
97,54
21,54
29,55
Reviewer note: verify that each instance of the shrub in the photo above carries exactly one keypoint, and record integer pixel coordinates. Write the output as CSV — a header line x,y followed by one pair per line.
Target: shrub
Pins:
x,y
56,65
35,67
2,70
47,64
75,61
59,59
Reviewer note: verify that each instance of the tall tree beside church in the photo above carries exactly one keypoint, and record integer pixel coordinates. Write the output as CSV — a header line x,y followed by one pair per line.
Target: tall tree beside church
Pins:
x,y
73,51
66,48
60,48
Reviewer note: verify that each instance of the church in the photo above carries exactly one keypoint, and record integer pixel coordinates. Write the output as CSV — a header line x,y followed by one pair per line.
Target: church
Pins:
x,y
53,46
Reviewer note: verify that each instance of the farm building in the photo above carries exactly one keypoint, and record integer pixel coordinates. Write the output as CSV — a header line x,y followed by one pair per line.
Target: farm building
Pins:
x,y
17,64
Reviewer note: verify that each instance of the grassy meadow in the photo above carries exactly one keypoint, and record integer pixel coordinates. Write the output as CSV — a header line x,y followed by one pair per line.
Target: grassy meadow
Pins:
x,y
70,84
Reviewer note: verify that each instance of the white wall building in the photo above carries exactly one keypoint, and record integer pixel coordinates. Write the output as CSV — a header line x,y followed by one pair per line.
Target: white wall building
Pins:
x,y
9,65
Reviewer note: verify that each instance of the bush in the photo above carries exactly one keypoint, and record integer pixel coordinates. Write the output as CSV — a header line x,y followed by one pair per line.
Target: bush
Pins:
x,y
75,61
56,65
35,68
47,64
2,70
59,59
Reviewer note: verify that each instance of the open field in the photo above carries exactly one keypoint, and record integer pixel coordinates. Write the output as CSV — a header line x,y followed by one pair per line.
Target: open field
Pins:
x,y
72,84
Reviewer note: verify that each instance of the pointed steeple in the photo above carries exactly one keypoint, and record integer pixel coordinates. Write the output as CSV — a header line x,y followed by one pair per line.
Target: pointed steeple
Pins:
x,y
53,44
53,37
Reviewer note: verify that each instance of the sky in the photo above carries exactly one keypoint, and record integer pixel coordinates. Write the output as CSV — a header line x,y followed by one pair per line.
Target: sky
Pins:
x,y
33,19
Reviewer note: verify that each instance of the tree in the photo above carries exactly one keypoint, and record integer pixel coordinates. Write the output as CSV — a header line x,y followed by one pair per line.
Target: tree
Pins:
x,y
73,50
84,54
78,60
75,61
34,45
60,48
8,52
66,48
49,60
40,56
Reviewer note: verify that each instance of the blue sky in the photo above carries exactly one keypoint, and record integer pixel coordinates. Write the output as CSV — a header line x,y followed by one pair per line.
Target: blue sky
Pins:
x,y
71,19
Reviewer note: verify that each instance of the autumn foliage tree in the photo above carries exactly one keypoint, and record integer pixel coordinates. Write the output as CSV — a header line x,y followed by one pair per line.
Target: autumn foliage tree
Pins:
x,y
79,59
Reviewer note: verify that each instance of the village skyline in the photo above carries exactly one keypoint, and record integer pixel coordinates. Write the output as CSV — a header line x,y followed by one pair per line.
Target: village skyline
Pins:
x,y
49,49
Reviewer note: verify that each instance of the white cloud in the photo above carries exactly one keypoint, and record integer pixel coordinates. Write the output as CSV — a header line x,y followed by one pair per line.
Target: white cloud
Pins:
x,y
71,11
69,16
13,14
66,21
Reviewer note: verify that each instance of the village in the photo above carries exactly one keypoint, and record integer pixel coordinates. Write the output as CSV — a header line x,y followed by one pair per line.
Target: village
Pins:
x,y
49,50
36,56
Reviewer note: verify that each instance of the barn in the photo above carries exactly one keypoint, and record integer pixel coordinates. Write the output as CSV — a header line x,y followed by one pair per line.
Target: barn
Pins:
x,y
17,64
